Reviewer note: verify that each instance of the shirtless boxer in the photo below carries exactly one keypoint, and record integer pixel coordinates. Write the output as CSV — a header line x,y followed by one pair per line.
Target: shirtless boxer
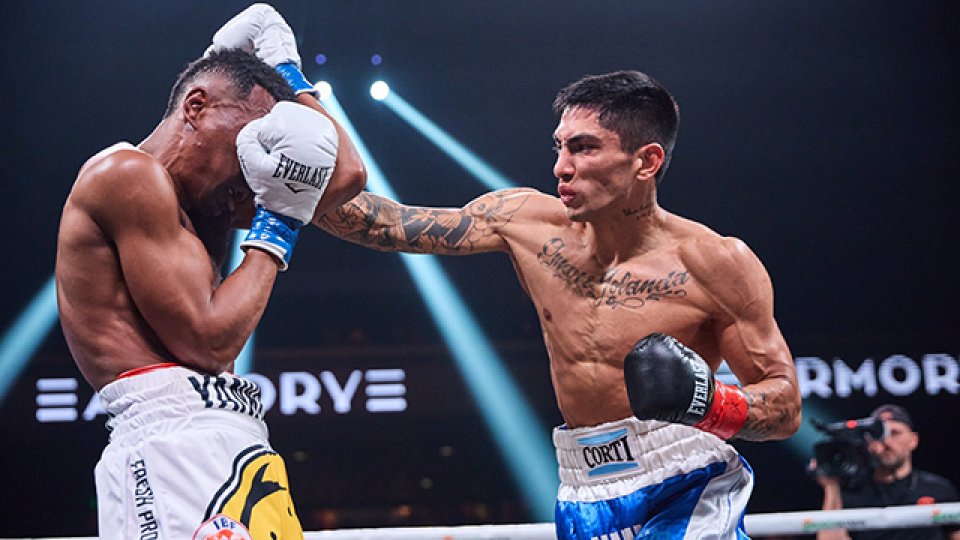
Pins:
x,y
147,317
606,266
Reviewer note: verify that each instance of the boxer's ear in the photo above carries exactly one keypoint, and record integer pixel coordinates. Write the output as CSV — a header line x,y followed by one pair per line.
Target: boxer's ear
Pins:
x,y
194,103
648,160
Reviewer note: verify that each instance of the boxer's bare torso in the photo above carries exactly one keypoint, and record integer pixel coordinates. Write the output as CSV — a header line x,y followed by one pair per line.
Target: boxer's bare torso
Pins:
x,y
594,307
106,331
606,266
136,284
684,280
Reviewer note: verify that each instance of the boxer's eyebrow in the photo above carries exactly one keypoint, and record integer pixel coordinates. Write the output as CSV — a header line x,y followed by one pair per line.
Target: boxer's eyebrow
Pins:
x,y
577,140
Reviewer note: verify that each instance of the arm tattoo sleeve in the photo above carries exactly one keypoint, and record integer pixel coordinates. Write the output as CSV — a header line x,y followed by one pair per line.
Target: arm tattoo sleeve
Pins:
x,y
385,225
769,414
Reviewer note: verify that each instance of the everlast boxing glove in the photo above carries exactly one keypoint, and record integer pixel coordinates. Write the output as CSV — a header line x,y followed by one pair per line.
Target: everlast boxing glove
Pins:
x,y
668,381
287,158
261,30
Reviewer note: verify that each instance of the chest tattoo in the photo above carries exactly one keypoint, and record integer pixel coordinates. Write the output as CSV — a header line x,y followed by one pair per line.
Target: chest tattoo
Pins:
x,y
615,287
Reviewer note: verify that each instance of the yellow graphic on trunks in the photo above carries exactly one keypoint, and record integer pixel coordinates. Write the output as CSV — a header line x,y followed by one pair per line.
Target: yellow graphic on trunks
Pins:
x,y
257,496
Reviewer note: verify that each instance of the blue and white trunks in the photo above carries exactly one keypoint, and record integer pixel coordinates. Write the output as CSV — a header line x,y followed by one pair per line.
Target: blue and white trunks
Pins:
x,y
649,479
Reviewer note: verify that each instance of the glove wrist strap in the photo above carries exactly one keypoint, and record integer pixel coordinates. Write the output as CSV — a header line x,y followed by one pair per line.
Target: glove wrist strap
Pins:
x,y
295,78
274,233
728,412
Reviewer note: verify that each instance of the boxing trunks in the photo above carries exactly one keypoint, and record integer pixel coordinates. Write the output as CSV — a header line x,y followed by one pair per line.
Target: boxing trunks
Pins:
x,y
188,458
648,479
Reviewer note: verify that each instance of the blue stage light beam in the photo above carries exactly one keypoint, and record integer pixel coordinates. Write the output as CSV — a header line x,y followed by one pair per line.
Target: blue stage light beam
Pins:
x,y
244,362
376,181
25,335
522,440
476,166
801,443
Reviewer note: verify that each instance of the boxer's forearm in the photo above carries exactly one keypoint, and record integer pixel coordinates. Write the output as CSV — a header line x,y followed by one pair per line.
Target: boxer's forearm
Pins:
x,y
773,410
368,220
386,225
230,317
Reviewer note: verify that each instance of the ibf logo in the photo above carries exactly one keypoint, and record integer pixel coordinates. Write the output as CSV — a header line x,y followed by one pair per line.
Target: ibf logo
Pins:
x,y
298,392
607,453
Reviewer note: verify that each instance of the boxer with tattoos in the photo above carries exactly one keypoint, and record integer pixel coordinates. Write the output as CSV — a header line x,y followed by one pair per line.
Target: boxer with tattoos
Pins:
x,y
638,308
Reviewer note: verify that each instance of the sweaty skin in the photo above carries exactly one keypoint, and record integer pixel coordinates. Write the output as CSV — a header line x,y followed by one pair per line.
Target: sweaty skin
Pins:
x,y
605,266
135,283
144,232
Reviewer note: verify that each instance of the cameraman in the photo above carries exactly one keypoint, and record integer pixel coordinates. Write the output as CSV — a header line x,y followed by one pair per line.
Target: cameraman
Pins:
x,y
894,482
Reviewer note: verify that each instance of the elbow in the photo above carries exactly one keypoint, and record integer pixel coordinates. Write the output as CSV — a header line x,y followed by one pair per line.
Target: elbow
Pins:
x,y
355,180
348,182
208,354
209,362
792,415
796,409
792,426
223,353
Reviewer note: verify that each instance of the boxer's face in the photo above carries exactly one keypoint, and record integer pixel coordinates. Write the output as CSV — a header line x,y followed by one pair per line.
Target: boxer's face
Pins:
x,y
892,451
217,185
594,172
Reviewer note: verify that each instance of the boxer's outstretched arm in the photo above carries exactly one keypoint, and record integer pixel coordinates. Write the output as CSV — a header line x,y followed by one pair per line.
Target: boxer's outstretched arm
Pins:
x,y
386,225
166,270
749,338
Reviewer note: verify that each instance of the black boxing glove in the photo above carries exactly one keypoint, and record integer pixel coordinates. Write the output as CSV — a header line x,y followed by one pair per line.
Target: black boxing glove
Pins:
x,y
668,381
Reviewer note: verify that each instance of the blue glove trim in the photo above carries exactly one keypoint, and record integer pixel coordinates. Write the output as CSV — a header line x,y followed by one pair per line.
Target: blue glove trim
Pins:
x,y
295,78
275,229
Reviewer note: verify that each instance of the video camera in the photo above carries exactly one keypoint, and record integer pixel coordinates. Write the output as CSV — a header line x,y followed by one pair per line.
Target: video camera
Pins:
x,y
843,455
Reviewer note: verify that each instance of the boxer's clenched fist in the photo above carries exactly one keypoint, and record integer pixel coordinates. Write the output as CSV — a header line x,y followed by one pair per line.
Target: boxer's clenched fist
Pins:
x,y
668,381
261,30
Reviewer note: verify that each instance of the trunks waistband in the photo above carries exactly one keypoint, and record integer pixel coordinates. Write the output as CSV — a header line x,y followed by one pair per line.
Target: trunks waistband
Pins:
x,y
644,452
145,369
160,393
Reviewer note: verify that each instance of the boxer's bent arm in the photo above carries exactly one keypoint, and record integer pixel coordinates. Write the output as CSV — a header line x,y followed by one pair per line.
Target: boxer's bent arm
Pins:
x,y
749,338
349,176
167,271
386,225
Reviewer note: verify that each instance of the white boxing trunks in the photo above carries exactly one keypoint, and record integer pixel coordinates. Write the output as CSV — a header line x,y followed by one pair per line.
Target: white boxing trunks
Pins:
x,y
188,458
648,479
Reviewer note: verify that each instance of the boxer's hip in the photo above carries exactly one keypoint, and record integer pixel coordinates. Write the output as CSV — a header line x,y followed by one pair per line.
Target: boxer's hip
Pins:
x,y
170,398
189,456
621,457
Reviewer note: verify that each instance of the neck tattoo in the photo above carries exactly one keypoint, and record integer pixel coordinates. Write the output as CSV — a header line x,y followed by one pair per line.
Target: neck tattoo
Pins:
x,y
640,212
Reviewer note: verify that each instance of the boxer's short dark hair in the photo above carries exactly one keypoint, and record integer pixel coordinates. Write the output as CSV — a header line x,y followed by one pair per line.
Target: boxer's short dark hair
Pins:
x,y
243,68
630,103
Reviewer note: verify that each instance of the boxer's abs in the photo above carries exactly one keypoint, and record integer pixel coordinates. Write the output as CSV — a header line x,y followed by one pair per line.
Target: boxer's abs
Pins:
x,y
587,343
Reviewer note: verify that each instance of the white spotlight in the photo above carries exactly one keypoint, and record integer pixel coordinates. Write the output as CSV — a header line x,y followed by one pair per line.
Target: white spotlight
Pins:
x,y
379,90
324,89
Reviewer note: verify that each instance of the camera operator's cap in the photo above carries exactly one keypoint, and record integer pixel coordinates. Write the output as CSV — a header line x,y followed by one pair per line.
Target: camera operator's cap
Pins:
x,y
892,412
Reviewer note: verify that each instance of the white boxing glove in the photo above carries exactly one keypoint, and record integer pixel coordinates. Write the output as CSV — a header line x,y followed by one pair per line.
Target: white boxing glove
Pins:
x,y
287,158
261,30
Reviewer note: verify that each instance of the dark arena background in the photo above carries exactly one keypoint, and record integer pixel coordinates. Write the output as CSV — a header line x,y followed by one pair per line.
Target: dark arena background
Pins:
x,y
823,133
